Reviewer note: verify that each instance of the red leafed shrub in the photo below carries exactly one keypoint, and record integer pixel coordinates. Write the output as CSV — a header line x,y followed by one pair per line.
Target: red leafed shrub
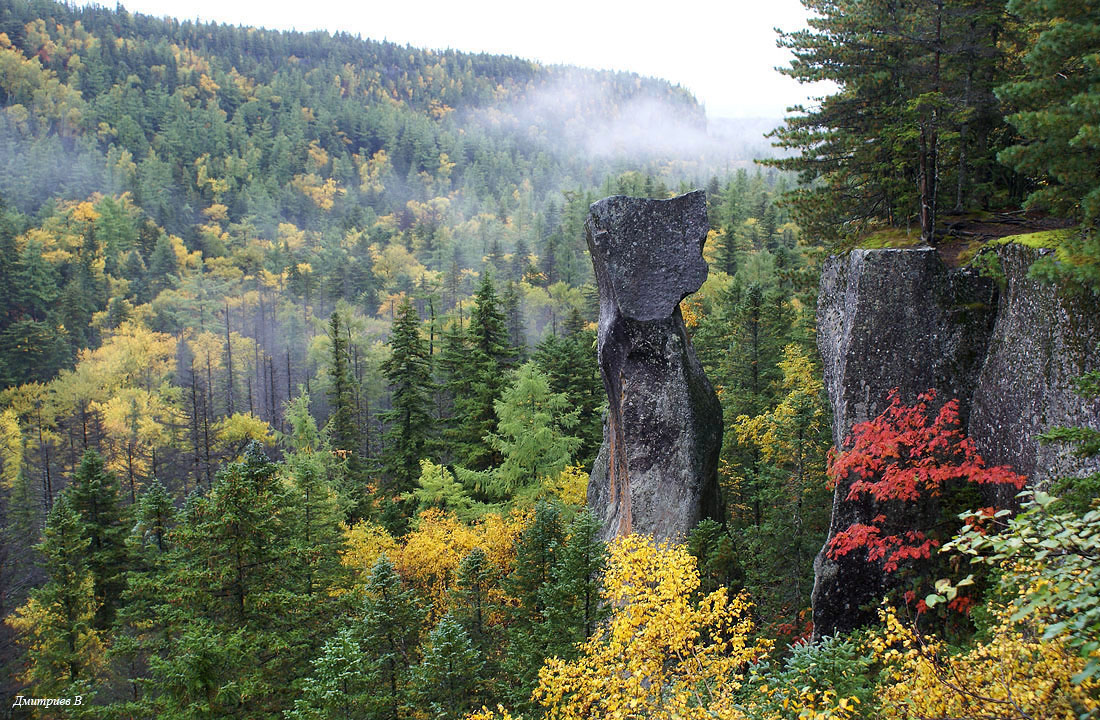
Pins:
x,y
906,455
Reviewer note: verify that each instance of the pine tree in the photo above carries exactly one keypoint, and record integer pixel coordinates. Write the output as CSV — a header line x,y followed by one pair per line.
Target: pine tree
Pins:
x,y
914,89
450,381
408,372
1056,104
513,312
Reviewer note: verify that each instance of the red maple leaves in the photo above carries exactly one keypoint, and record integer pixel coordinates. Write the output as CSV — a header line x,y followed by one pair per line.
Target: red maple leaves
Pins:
x,y
906,455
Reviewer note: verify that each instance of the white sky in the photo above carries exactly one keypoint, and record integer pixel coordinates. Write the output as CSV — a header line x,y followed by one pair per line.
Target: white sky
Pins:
x,y
723,51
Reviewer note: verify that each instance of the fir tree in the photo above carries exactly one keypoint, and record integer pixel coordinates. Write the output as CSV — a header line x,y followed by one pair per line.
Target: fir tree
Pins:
x,y
408,371
573,608
391,625
94,495
536,555
57,622
446,678
343,431
490,356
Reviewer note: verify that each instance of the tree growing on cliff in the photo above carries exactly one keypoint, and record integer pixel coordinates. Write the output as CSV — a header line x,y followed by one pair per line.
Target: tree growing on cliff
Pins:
x,y
913,119
909,457
1057,103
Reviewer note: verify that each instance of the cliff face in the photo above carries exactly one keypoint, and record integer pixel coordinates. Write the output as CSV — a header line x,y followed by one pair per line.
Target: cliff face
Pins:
x,y
656,472
900,318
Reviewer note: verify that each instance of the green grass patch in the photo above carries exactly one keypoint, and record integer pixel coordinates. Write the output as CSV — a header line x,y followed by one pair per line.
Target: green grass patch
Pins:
x,y
889,238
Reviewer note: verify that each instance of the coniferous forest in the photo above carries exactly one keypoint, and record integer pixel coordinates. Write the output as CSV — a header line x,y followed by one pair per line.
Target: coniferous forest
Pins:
x,y
299,390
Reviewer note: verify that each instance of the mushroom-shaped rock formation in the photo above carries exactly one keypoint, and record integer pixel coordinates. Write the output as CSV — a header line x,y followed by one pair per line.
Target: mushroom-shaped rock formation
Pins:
x,y
657,471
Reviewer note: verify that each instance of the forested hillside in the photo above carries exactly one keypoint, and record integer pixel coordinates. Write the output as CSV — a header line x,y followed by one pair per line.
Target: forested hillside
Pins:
x,y
367,263
299,391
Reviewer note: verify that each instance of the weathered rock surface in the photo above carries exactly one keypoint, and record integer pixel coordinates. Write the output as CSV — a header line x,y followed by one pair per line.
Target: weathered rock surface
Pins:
x,y
656,472
901,318
1043,341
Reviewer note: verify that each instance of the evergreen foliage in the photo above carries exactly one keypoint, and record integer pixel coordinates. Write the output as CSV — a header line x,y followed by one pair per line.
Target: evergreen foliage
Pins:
x,y
409,374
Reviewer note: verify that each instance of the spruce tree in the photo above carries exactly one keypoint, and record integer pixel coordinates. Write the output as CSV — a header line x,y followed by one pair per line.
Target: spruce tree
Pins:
x,y
58,621
94,495
446,678
392,617
484,376
342,429
408,372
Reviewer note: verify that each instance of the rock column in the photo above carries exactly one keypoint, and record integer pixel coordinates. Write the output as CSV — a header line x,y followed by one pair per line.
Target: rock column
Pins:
x,y
656,472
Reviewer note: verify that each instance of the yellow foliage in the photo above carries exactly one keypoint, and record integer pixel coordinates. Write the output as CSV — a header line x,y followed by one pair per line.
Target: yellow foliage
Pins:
x,y
11,449
430,556
662,655
55,636
291,236
217,213
137,422
1016,674
321,192
85,212
691,310
782,434
316,157
570,485
499,714
373,172
207,85
366,542
239,429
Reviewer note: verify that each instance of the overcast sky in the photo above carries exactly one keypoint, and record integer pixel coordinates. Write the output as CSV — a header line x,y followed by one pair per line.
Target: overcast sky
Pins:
x,y
724,52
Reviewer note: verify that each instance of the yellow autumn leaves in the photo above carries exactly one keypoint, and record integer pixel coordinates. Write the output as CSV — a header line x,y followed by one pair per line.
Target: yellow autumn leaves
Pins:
x,y
663,654
1013,675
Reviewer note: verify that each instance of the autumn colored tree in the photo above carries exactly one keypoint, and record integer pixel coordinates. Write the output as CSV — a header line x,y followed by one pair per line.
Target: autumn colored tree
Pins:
x,y
910,455
663,654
